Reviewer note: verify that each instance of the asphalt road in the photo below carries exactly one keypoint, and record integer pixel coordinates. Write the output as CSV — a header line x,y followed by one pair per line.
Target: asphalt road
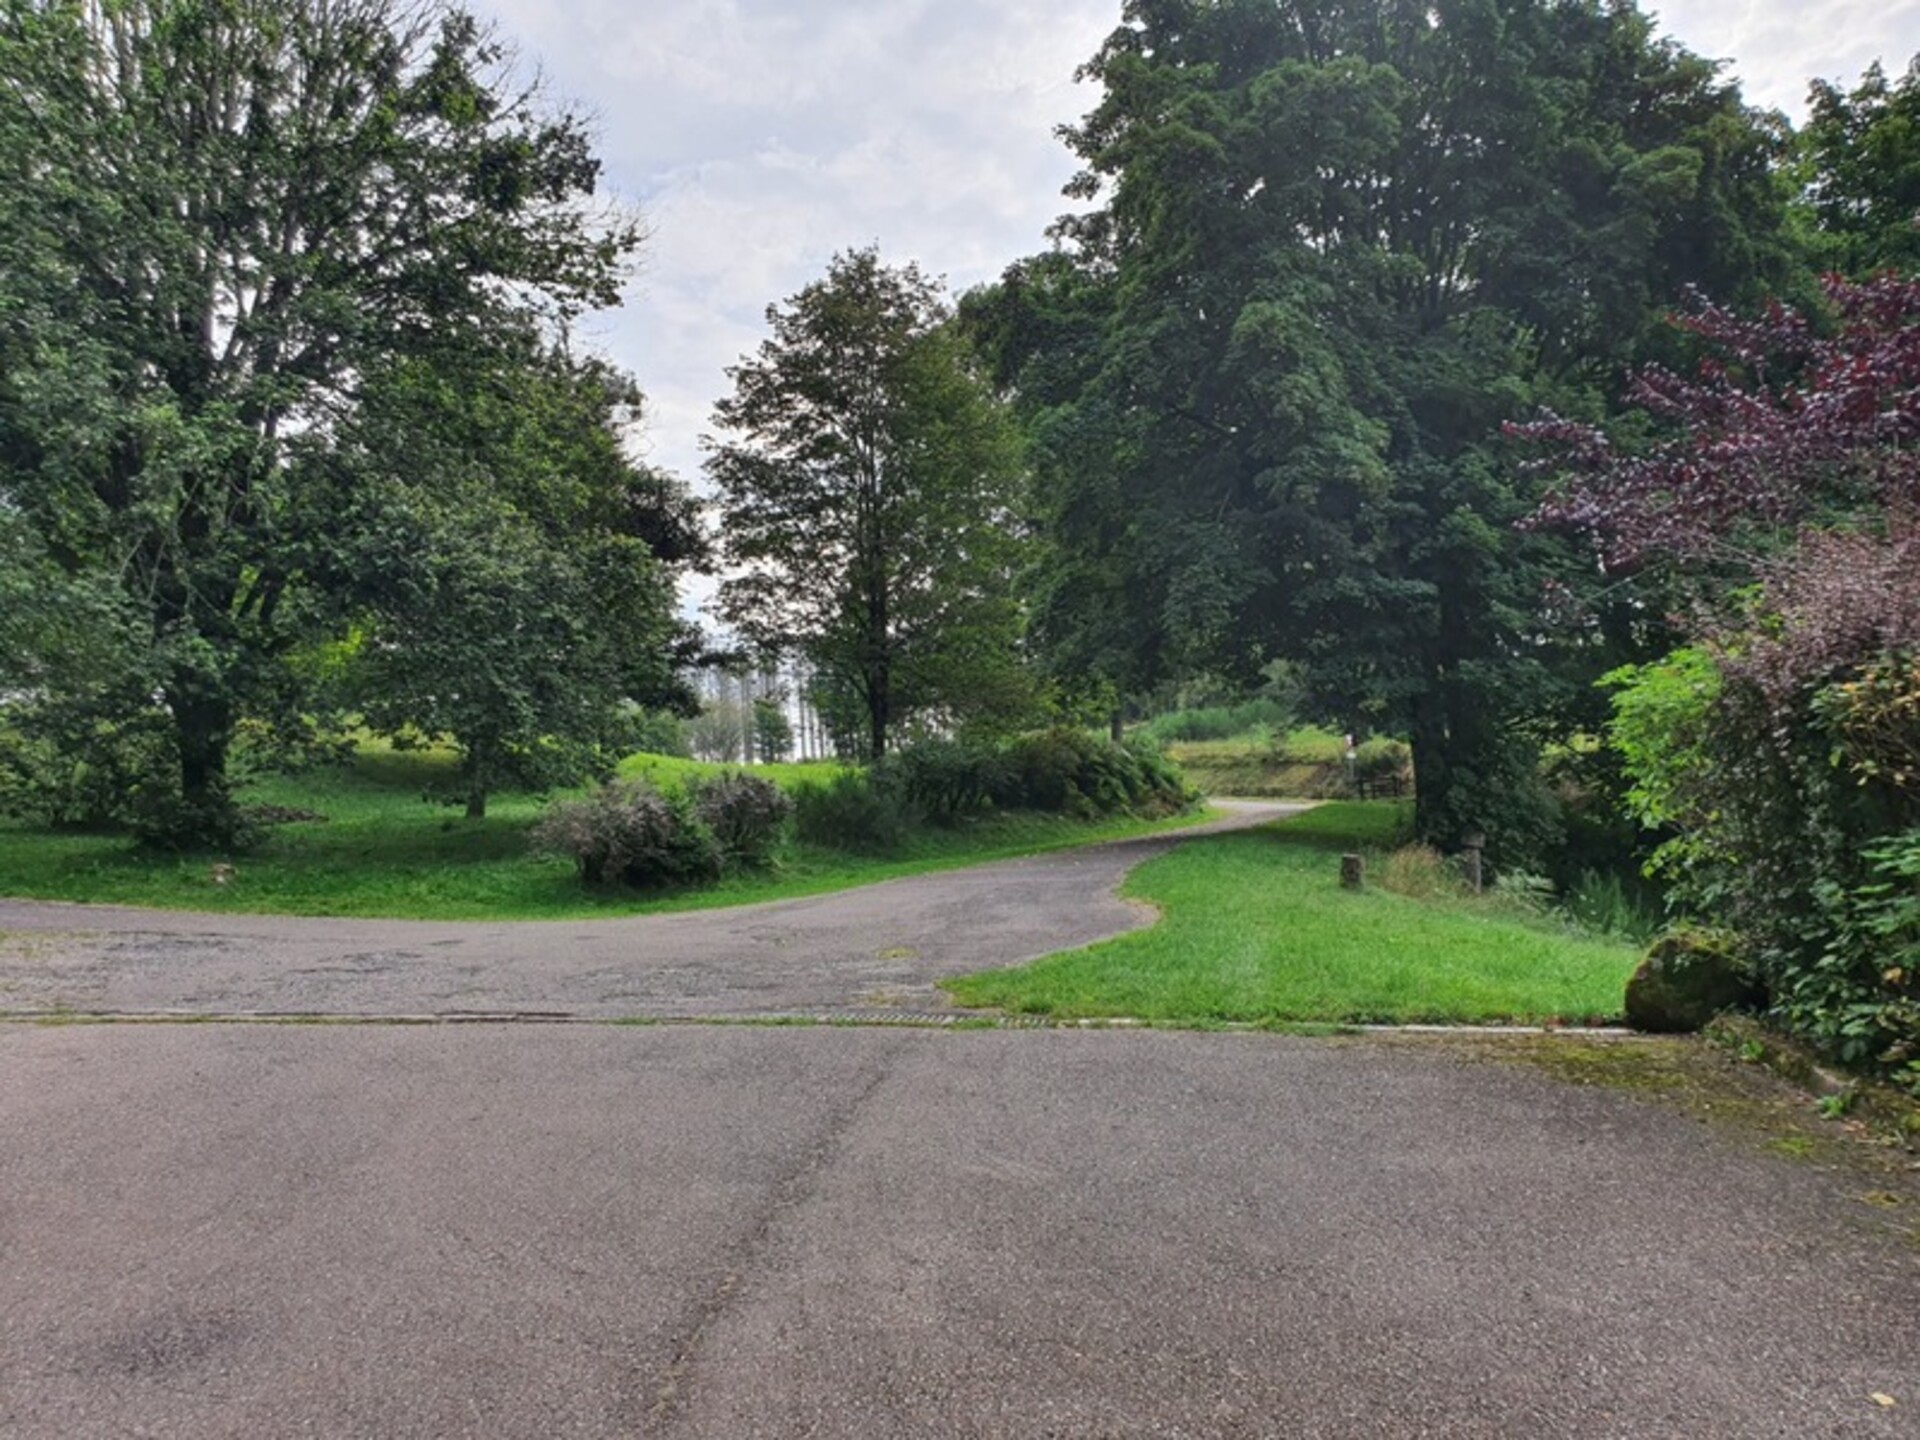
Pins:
x,y
736,1231
545,1230
880,948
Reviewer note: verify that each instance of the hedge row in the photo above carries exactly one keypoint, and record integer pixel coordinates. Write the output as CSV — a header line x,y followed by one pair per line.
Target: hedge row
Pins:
x,y
637,835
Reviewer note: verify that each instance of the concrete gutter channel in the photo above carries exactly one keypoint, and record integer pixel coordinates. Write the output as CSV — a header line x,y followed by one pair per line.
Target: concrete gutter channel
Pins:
x,y
883,1019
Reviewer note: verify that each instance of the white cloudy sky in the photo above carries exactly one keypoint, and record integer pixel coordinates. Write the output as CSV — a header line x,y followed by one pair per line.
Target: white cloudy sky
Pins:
x,y
760,136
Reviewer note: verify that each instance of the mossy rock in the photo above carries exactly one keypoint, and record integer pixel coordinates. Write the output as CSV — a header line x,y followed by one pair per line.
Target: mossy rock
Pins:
x,y
1687,977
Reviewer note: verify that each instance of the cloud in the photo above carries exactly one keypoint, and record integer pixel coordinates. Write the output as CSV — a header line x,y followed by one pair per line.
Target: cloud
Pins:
x,y
761,138
1775,49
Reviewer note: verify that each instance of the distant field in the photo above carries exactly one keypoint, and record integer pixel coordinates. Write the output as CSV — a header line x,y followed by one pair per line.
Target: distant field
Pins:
x,y
384,850
1256,929
1307,762
671,770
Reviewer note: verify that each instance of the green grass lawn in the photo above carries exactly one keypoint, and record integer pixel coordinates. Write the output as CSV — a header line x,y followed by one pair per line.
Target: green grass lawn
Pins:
x,y
1255,928
385,851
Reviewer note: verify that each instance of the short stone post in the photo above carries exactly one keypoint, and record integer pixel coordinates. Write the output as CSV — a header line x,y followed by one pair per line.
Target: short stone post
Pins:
x,y
1353,872
1474,846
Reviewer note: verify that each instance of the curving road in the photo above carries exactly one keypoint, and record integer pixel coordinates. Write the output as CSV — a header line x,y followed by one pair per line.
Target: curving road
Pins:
x,y
880,948
603,1231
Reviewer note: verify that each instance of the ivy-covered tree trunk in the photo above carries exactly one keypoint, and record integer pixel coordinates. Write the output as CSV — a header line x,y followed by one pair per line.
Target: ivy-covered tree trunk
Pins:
x,y
1433,766
879,710
879,669
476,770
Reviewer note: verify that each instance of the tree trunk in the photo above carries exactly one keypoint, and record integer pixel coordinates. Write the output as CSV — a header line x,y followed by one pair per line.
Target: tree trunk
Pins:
x,y
203,731
879,703
1432,770
475,769
1117,725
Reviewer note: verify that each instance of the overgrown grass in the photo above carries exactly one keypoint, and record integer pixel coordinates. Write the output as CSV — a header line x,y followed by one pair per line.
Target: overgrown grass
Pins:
x,y
1218,722
385,851
669,771
1255,928
1307,761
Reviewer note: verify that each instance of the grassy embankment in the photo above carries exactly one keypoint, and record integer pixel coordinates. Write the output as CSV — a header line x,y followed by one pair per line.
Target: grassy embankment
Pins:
x,y
384,851
1256,929
1303,762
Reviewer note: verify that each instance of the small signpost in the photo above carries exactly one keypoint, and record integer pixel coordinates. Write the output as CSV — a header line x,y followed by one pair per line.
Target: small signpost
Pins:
x,y
1473,844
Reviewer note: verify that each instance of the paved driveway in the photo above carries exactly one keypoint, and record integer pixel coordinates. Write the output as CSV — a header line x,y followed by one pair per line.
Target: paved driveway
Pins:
x,y
540,1230
727,1231
878,948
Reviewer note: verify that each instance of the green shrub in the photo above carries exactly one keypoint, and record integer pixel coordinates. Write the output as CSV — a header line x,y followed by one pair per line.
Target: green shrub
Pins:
x,y
944,779
67,768
1042,773
745,815
1072,772
862,811
631,834
1220,722
1381,760
1061,772
1162,788
1793,827
1860,999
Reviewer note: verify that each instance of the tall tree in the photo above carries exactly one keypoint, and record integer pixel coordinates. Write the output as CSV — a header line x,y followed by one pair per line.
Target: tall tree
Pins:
x,y
1862,154
1338,245
510,570
869,501
219,217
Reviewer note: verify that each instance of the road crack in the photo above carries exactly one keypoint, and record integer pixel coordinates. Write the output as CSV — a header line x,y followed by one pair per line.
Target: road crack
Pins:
x,y
789,1193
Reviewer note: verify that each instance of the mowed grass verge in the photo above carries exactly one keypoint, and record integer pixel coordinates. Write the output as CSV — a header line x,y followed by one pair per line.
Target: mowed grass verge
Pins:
x,y
385,851
1255,929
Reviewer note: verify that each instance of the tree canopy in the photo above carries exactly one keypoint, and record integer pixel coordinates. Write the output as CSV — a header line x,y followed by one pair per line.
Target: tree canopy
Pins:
x,y
1331,249
1861,152
870,495
221,217
509,569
